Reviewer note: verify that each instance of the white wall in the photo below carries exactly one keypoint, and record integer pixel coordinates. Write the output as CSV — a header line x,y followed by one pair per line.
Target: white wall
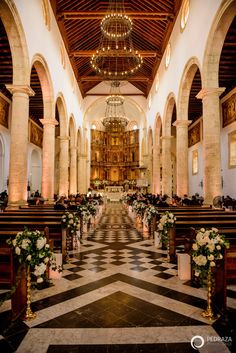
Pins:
x,y
48,43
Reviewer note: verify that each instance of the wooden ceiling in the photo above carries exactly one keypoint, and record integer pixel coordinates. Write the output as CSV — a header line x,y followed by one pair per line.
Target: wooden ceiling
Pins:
x,y
227,66
79,23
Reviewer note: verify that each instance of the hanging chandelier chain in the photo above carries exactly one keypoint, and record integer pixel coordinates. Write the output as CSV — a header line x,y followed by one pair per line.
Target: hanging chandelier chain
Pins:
x,y
116,59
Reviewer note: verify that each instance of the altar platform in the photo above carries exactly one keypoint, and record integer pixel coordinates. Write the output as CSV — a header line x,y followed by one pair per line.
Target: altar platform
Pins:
x,y
114,189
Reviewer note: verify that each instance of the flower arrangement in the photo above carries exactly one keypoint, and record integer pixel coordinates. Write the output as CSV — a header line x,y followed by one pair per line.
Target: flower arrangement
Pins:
x,y
139,207
150,213
91,209
70,221
206,250
166,222
32,250
83,211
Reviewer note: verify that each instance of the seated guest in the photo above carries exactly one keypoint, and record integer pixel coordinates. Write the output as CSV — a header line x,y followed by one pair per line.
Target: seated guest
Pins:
x,y
186,201
72,204
163,202
60,204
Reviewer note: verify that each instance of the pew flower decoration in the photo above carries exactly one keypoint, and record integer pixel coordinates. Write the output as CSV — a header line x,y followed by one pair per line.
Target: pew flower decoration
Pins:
x,y
139,207
83,211
166,222
150,213
70,221
207,249
32,249
91,209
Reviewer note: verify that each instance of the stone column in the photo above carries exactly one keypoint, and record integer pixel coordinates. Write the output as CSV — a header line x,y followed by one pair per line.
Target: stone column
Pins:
x,y
82,174
73,170
19,145
63,165
48,158
156,170
166,166
182,156
211,143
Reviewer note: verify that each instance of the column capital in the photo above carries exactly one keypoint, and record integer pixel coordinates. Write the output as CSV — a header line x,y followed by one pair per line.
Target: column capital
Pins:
x,y
26,89
49,122
182,123
209,91
64,138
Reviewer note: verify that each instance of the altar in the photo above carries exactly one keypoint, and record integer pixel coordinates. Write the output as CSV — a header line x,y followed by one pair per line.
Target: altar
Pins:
x,y
114,189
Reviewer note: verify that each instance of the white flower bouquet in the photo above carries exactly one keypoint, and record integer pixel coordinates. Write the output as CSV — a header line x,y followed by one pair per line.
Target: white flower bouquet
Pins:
x,y
206,250
70,221
150,213
32,250
139,207
83,211
166,222
92,210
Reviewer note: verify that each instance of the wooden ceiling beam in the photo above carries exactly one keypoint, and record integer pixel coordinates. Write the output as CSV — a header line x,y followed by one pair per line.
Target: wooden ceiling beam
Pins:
x,y
89,53
98,79
98,15
123,94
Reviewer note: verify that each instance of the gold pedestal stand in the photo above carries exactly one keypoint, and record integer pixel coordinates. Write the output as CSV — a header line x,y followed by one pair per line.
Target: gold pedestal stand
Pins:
x,y
208,313
29,315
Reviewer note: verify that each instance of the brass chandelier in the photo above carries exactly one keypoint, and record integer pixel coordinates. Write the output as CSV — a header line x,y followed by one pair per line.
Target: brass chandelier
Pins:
x,y
116,58
115,117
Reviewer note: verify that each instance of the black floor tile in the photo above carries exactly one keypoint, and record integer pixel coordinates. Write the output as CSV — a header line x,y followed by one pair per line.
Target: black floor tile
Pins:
x,y
72,277
97,269
76,269
117,263
138,269
163,275
159,268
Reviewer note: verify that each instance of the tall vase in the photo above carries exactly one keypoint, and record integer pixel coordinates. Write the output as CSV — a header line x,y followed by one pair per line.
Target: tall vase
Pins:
x,y
29,315
208,313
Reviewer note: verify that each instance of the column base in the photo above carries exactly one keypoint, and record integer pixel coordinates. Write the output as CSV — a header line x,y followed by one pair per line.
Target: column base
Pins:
x,y
16,205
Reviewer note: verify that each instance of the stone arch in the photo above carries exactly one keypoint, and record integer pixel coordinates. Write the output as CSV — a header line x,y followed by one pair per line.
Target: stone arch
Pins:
x,y
46,85
168,111
63,117
16,37
156,155
72,130
219,29
63,158
185,86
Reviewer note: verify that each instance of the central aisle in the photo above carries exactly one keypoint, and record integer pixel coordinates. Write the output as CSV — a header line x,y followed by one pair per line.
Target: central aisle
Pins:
x,y
117,295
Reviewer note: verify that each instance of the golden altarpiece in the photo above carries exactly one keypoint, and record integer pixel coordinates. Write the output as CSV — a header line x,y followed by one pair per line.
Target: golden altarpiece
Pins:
x,y
114,156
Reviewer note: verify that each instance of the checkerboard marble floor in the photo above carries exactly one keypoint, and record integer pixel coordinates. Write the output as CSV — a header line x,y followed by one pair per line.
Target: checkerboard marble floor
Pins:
x,y
119,295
